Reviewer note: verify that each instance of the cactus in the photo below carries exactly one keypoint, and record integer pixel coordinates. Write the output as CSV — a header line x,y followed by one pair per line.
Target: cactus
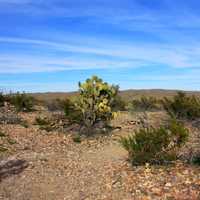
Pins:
x,y
95,101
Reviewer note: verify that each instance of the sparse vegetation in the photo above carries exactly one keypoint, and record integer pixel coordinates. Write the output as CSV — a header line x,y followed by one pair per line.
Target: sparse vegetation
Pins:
x,y
24,124
10,118
183,106
72,112
53,139
55,105
76,138
118,104
47,128
3,149
11,141
95,103
2,134
2,99
44,123
144,104
22,102
196,159
5,141
155,145
41,121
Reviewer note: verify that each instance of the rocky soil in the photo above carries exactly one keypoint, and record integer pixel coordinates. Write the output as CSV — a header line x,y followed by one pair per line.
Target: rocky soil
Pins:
x,y
51,166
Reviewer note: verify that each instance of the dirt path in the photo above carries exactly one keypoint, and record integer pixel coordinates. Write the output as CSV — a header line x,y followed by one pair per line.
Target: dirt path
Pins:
x,y
50,166
70,171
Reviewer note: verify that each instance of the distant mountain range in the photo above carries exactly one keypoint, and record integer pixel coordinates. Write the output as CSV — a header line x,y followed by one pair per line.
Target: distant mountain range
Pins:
x,y
126,94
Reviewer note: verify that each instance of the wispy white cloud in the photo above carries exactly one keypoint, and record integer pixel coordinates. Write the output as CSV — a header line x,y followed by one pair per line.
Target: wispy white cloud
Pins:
x,y
104,35
118,55
191,82
23,64
131,14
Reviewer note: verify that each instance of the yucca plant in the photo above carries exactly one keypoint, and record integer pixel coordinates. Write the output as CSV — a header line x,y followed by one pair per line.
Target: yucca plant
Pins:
x,y
95,102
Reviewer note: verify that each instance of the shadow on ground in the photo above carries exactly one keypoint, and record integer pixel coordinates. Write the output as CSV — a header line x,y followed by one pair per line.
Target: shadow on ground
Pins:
x,y
12,167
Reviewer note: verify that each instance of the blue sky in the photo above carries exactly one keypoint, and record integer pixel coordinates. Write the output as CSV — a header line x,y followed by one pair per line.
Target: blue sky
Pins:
x,y
51,45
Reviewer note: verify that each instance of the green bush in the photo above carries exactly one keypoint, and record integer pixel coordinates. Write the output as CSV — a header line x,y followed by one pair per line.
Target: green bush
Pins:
x,y
155,145
5,140
196,159
2,134
76,138
95,103
55,105
144,104
3,149
22,102
118,104
41,121
72,112
2,99
24,124
44,124
182,106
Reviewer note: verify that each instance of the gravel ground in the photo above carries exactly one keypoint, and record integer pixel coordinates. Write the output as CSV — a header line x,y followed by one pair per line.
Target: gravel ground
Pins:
x,y
50,166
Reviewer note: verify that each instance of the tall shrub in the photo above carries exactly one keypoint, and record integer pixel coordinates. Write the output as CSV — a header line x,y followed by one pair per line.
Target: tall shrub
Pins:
x,y
72,111
2,99
95,102
144,104
183,106
22,102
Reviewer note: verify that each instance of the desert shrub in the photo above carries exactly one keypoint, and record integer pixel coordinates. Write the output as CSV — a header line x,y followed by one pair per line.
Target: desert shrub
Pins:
x,y
11,141
182,106
2,148
155,145
44,124
2,134
118,104
47,128
41,121
179,133
144,104
55,105
95,102
5,142
72,112
196,159
2,99
76,138
24,124
22,102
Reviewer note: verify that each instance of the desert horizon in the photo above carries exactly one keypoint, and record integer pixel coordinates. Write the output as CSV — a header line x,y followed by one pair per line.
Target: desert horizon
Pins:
x,y
99,100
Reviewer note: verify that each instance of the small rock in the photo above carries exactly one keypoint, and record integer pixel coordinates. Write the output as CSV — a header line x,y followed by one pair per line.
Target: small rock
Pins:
x,y
168,185
156,191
